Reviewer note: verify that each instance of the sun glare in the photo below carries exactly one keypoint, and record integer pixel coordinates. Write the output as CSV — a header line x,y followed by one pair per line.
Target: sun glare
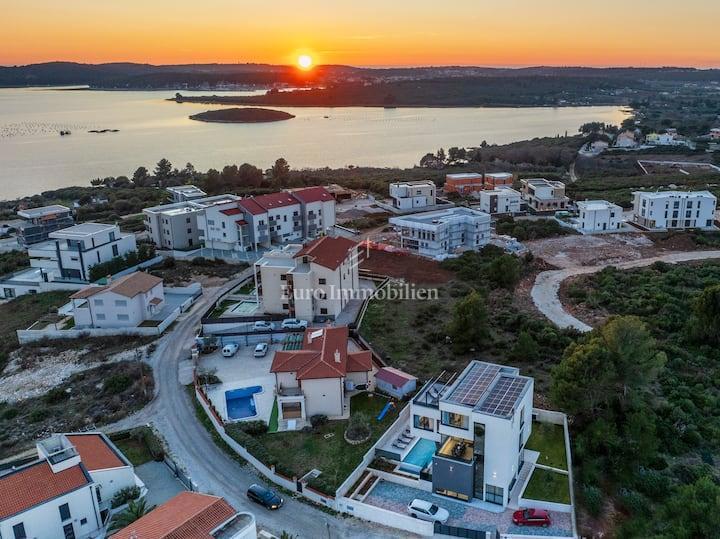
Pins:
x,y
305,61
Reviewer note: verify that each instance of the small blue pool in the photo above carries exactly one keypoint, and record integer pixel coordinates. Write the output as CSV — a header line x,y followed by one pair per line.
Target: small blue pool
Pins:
x,y
241,403
419,457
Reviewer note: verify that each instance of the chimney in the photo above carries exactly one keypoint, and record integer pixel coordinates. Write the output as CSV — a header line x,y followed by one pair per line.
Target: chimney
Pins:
x,y
337,356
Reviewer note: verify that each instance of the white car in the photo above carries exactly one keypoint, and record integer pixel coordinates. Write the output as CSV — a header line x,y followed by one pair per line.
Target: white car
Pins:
x,y
262,325
294,323
229,350
261,350
427,511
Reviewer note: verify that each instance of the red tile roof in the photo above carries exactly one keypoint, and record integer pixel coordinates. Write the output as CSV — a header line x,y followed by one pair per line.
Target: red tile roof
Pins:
x,y
275,200
328,252
324,355
35,484
94,451
189,515
252,207
312,194
231,211
241,222
393,376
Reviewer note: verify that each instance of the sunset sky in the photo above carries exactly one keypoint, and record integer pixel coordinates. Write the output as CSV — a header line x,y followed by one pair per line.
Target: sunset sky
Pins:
x,y
364,32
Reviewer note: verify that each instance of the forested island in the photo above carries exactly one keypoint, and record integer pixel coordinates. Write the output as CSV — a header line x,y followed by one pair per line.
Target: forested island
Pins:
x,y
245,115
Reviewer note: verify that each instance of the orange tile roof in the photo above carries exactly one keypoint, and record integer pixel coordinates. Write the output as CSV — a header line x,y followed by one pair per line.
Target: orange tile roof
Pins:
x,y
312,194
189,515
325,356
94,451
328,252
275,200
35,484
128,286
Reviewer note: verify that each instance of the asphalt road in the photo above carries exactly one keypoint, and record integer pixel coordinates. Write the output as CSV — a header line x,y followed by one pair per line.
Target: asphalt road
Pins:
x,y
212,470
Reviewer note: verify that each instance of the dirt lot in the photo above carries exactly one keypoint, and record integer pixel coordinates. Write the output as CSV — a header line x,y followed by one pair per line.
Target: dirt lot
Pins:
x,y
200,270
412,268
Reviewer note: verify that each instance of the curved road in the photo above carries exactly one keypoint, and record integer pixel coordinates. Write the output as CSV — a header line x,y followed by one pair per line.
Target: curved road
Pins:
x,y
547,284
212,470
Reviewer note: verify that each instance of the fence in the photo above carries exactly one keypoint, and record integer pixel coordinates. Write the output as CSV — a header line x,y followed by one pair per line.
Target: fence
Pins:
x,y
179,473
455,531
385,517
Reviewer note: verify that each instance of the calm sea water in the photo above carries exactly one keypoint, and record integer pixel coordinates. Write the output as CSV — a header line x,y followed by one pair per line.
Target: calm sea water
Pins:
x,y
34,157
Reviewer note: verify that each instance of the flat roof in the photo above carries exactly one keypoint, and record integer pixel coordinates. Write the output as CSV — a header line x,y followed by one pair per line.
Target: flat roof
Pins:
x,y
43,211
83,229
464,176
434,218
596,205
678,194
184,189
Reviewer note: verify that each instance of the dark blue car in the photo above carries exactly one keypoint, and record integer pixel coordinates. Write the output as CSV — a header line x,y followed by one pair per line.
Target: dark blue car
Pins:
x,y
264,496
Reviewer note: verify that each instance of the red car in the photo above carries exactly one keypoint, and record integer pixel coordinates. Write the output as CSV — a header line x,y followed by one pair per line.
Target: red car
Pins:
x,y
532,517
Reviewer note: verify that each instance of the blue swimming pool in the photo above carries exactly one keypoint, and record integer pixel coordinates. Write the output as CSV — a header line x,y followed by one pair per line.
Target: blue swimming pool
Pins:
x,y
241,403
420,456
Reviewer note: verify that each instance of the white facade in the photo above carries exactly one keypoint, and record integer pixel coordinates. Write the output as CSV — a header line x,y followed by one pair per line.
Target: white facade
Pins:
x,y
544,195
674,209
444,232
501,200
598,216
411,195
182,193
626,139
71,252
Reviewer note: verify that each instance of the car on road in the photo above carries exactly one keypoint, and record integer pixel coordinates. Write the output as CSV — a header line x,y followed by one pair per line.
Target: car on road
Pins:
x,y
229,350
532,517
264,496
427,511
294,323
262,325
261,349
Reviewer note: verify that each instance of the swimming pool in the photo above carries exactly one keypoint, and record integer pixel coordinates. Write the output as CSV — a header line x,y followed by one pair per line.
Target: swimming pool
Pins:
x,y
241,403
419,456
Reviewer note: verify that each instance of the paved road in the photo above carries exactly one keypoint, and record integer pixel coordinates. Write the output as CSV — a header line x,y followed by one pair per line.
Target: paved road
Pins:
x,y
547,284
214,472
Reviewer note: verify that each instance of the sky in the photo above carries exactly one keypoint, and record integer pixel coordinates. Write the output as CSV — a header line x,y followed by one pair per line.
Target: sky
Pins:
x,y
364,32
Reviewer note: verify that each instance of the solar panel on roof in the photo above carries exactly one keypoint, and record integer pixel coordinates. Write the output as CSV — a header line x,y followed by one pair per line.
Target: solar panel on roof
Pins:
x,y
504,396
474,383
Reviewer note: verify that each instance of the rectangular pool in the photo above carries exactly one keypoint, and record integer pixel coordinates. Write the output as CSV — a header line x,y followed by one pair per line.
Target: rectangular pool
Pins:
x,y
241,403
419,456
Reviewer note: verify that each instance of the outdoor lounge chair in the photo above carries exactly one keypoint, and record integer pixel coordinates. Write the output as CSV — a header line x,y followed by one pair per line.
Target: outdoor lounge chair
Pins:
x,y
406,438
399,445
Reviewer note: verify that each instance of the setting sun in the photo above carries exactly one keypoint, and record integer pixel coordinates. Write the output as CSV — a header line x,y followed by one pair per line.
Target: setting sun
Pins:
x,y
305,61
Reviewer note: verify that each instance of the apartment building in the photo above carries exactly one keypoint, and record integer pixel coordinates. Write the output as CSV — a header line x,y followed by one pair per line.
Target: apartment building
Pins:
x,y
40,222
175,226
308,282
266,220
500,200
543,195
443,232
67,491
480,423
71,252
674,209
598,216
124,302
412,195
183,193
464,183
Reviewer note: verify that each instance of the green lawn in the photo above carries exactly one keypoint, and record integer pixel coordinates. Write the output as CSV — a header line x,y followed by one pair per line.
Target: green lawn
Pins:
x,y
300,452
221,308
549,441
273,423
134,445
548,486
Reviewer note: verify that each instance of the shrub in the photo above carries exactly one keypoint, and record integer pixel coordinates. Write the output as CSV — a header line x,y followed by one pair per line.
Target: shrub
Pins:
x,y
38,415
124,495
10,413
253,446
318,420
358,427
253,428
633,502
593,499
321,484
55,395
117,383
652,483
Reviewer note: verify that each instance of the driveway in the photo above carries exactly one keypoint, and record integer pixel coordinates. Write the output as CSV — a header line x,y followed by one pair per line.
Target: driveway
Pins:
x,y
212,470
547,284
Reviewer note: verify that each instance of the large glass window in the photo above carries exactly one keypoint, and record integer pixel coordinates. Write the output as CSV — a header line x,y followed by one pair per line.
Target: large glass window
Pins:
x,y
458,421
424,423
494,494
19,531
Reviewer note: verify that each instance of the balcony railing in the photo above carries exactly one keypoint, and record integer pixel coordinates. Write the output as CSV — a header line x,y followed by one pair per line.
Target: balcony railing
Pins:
x,y
290,392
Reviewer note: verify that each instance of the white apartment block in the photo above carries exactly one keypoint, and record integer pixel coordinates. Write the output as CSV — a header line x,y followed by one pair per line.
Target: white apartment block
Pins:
x,y
500,200
124,302
544,195
598,216
266,220
314,281
664,210
443,232
175,226
480,423
412,195
66,492
183,193
71,252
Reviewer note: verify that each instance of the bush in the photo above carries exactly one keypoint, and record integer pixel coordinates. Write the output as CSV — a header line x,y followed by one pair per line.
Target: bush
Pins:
x,y
10,413
358,427
55,395
125,495
593,499
38,415
253,428
633,502
253,446
117,383
318,420
321,484
652,483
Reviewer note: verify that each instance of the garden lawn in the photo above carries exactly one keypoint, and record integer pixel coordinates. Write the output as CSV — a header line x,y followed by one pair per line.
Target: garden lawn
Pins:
x,y
299,452
548,486
549,441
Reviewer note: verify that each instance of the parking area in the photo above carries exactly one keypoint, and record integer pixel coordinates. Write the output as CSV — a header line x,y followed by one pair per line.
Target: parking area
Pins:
x,y
395,497
160,482
242,371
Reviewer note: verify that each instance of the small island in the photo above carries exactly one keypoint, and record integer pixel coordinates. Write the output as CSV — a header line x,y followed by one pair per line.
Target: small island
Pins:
x,y
244,115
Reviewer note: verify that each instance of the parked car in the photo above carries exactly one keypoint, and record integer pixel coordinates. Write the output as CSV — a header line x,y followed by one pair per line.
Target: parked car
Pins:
x,y
264,496
294,323
427,511
261,349
532,517
262,325
229,350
